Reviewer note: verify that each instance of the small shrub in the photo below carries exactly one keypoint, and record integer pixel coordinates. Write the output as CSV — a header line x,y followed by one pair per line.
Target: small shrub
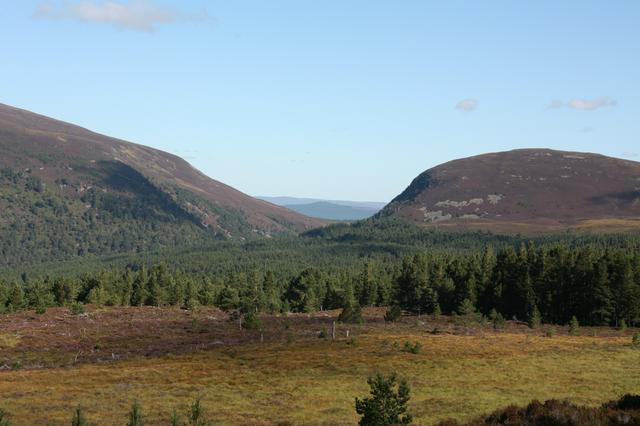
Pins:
x,y
466,308
498,321
135,415
195,325
41,309
197,413
437,312
635,340
4,418
324,334
393,314
551,331
573,326
627,402
175,420
252,321
352,341
78,418
622,326
414,348
77,308
535,319
351,313
16,365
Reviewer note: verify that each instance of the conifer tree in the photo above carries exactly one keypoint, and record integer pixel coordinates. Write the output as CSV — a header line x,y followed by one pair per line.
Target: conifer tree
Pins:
x,y
385,406
573,326
351,312
139,291
535,319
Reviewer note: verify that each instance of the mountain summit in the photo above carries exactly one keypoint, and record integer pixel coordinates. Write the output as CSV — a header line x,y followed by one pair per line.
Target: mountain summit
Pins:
x,y
527,190
65,190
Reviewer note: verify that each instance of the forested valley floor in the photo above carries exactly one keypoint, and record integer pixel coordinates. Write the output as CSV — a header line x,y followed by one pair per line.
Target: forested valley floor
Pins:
x,y
474,322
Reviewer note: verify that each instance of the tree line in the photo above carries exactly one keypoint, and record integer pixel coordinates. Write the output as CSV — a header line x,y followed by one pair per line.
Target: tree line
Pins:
x,y
552,284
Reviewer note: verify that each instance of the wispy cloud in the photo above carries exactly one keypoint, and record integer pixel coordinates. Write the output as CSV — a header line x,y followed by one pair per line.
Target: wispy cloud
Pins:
x,y
137,15
584,104
467,105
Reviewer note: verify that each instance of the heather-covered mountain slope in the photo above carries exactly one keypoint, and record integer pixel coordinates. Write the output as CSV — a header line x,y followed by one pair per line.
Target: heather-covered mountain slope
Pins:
x,y
67,191
528,191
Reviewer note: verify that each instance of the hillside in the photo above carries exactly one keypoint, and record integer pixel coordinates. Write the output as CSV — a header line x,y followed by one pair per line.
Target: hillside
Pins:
x,y
527,191
67,191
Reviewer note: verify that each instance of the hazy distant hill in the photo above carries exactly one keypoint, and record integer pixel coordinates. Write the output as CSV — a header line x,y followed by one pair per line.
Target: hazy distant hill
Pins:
x,y
529,190
67,191
328,209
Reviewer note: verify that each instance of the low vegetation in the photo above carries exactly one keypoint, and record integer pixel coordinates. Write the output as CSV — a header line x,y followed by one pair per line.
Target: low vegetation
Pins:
x,y
283,372
625,411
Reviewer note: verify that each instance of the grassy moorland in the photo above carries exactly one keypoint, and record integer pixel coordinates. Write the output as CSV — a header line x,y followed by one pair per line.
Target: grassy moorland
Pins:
x,y
285,373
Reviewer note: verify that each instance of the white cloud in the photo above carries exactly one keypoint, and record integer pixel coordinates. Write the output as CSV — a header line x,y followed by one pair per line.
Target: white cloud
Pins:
x,y
467,105
137,15
584,104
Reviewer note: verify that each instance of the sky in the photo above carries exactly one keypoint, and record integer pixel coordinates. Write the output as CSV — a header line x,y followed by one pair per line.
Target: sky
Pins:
x,y
335,99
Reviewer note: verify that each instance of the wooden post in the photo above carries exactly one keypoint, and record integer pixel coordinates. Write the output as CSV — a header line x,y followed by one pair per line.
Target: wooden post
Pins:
x,y
261,337
240,322
333,331
347,333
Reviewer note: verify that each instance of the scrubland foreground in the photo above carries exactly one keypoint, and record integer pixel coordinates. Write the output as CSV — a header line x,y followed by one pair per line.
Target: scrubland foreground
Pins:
x,y
291,370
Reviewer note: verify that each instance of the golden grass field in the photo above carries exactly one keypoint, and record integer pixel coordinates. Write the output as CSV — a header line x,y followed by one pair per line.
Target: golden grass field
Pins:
x,y
460,373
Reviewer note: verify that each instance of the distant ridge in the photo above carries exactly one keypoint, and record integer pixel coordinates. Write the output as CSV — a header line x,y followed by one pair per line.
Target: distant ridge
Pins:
x,y
328,209
527,190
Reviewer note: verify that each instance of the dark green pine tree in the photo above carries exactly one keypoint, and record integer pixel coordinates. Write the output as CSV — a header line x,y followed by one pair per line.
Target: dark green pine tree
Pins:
x,y
385,406
411,283
368,285
302,293
272,293
626,290
158,283
601,301
139,293
16,300
351,312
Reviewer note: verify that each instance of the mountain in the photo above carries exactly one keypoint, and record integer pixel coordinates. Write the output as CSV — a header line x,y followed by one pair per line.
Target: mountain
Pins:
x,y
328,209
67,191
292,201
527,191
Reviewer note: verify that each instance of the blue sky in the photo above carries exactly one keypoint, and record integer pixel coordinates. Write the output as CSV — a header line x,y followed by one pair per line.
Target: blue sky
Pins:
x,y
341,99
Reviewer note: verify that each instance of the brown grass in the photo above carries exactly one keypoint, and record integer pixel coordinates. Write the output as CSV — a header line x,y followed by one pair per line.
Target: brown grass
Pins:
x,y
462,373
9,340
